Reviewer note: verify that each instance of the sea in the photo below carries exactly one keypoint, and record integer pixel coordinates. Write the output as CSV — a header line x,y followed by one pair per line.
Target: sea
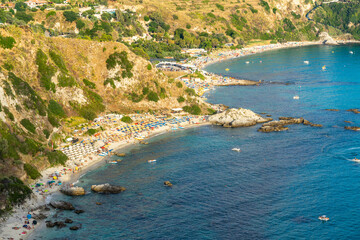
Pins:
x,y
275,188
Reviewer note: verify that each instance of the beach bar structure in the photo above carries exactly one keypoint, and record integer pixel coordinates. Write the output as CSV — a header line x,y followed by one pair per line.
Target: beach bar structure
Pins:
x,y
173,66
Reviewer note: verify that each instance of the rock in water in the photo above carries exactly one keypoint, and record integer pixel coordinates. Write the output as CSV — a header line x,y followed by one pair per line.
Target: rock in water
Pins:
x,y
79,211
73,191
107,188
237,118
68,220
62,205
277,126
168,184
352,128
74,228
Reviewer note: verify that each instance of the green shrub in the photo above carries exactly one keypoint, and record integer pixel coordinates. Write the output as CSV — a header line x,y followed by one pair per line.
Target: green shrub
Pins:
x,y
34,101
46,133
265,5
28,125
80,24
88,114
66,81
190,91
145,90
149,67
56,158
122,60
58,60
211,111
70,16
193,109
274,10
220,7
8,90
24,17
110,81
56,108
31,171
152,96
15,192
135,97
91,131
181,99
53,120
7,42
188,26
21,6
140,52
179,84
146,18
46,71
8,66
51,13
0,107
175,17
9,114
89,84
126,119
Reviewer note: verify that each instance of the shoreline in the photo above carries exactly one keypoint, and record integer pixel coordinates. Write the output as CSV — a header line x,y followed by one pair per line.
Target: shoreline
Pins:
x,y
37,200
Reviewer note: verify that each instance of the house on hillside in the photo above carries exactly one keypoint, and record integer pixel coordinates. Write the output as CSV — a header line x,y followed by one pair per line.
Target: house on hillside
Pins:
x,y
35,3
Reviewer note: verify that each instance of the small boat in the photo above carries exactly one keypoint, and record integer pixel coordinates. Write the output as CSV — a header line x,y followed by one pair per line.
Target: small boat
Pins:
x,y
324,68
227,69
153,160
236,149
113,162
324,218
356,160
247,62
296,97
306,62
181,127
351,52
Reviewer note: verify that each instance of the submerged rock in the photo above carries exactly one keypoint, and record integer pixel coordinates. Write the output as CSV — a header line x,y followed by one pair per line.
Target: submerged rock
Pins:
x,y
237,118
68,220
60,224
73,191
354,110
332,110
168,184
50,224
79,211
74,228
352,128
98,203
62,205
107,188
280,125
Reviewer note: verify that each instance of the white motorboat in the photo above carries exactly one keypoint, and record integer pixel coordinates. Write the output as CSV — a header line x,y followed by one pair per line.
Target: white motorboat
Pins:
x,y
236,149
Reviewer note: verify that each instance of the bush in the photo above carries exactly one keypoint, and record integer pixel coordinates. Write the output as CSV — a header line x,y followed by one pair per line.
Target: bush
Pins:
x,y
46,133
88,114
53,120
211,111
8,114
194,109
220,7
56,108
91,131
175,17
149,67
15,192
145,90
7,42
24,17
31,171
51,13
21,6
80,24
152,96
58,60
146,18
8,66
89,84
188,26
122,60
135,97
110,81
70,16
179,85
28,125
190,91
265,5
181,99
56,158
66,81
46,71
126,119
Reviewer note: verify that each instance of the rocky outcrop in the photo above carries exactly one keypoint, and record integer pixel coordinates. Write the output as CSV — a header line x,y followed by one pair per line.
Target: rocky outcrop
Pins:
x,y
280,125
73,191
352,128
167,184
79,211
107,188
326,39
68,220
62,205
237,118
354,110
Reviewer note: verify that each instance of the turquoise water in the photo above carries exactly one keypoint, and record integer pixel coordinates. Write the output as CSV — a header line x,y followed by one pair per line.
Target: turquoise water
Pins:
x,y
274,189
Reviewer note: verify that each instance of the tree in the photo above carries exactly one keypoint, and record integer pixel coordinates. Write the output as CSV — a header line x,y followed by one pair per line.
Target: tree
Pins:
x,y
23,16
20,6
70,16
80,24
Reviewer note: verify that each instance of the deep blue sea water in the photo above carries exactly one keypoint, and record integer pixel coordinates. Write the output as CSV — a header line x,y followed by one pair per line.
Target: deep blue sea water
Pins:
x,y
275,188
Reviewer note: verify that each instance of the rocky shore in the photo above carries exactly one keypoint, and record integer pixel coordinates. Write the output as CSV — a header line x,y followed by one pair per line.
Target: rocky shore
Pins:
x,y
283,122
237,118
